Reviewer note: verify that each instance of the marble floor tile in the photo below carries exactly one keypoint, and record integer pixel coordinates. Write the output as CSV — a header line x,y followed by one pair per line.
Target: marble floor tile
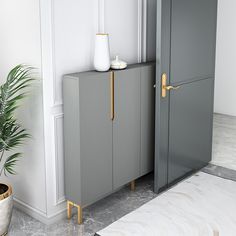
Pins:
x,y
112,208
101,214
96,216
224,141
220,172
203,205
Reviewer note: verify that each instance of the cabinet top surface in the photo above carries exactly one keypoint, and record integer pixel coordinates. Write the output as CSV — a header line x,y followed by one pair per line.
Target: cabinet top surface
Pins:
x,y
94,73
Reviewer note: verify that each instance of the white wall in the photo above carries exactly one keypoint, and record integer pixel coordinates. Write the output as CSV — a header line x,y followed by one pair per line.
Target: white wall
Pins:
x,y
20,43
225,83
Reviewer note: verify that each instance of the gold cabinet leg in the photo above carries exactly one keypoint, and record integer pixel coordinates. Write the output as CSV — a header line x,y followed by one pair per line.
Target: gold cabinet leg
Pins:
x,y
132,185
69,209
70,205
80,214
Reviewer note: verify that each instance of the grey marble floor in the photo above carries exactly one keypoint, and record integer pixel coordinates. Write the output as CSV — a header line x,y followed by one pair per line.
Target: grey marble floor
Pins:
x,y
220,171
101,214
110,209
224,141
96,217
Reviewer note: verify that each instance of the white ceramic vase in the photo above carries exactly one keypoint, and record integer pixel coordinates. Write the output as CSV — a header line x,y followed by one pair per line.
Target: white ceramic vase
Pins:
x,y
6,206
102,53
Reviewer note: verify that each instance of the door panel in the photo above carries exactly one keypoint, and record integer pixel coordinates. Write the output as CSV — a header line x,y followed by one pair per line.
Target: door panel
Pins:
x,y
190,137
162,105
193,33
95,137
126,127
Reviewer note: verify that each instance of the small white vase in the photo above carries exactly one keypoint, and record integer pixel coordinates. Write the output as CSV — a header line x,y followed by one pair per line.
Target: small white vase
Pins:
x,y
117,64
102,53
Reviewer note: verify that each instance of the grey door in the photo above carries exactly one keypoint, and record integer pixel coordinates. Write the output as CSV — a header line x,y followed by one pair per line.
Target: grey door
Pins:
x,y
186,35
126,127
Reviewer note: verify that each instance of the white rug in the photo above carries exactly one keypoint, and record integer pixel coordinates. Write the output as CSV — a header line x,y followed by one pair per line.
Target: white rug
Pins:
x,y
203,205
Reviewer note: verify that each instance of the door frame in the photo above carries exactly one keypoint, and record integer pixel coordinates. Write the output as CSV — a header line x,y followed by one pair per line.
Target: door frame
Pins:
x,y
162,105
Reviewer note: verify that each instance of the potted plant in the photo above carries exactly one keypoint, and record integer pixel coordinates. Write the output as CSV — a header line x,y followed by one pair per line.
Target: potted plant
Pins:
x,y
12,135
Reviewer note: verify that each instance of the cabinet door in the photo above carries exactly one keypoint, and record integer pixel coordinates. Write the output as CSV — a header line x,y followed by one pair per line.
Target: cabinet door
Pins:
x,y
95,137
147,118
126,127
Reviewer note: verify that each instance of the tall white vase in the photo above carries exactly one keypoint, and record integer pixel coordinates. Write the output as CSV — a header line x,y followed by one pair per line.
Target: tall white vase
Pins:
x,y
102,53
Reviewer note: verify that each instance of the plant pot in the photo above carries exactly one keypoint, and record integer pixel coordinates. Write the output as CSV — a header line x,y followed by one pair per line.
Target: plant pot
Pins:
x,y
6,206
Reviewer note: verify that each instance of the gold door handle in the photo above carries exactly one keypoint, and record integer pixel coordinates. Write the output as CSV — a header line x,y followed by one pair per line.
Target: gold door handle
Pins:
x,y
171,87
112,109
165,87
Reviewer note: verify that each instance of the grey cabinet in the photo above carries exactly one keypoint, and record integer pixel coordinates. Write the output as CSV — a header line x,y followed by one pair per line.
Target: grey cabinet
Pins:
x,y
103,151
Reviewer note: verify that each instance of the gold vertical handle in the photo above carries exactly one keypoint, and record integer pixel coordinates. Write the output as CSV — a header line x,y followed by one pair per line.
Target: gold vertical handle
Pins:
x,y
112,111
163,84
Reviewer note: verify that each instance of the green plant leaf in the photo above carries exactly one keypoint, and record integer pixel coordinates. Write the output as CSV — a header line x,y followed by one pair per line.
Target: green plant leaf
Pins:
x,y
18,79
10,163
12,135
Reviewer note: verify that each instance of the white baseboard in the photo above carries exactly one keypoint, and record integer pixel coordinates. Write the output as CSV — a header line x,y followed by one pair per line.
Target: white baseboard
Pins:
x,y
39,215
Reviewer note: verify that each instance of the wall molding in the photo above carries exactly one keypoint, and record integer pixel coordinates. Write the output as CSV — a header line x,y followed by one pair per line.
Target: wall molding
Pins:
x,y
59,199
101,16
56,101
144,30
38,215
140,29
48,75
57,109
